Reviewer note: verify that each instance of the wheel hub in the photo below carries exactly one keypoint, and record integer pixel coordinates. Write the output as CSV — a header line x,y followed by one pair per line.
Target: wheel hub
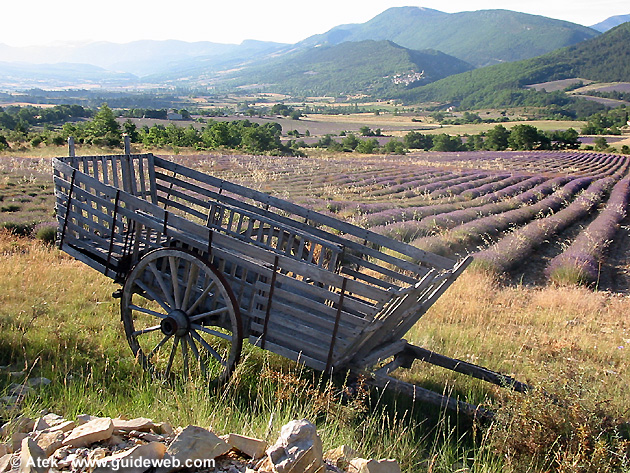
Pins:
x,y
176,323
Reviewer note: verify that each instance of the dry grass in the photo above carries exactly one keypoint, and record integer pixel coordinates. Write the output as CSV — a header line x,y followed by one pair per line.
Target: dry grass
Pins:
x,y
531,333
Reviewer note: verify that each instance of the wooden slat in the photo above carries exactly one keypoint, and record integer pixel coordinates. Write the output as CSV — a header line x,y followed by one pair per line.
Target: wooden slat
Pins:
x,y
347,328
290,354
348,258
284,336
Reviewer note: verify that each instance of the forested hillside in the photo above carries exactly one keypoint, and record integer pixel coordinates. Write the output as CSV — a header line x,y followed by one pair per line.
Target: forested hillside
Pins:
x,y
605,58
368,67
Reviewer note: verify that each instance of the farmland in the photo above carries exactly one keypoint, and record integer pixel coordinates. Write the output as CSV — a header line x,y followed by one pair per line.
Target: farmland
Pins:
x,y
537,224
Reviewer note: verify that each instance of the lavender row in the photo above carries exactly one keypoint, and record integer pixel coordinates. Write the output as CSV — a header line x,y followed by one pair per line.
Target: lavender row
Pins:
x,y
409,223
514,248
433,224
580,263
464,237
457,189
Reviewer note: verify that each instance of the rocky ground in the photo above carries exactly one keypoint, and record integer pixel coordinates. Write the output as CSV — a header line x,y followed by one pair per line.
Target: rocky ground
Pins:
x,y
89,444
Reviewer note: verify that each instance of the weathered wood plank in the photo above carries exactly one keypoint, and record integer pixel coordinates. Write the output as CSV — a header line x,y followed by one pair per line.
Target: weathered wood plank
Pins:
x,y
424,395
290,354
464,367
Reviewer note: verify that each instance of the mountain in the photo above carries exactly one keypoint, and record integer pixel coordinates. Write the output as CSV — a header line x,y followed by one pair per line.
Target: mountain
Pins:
x,y
605,58
20,75
138,57
611,22
365,67
478,37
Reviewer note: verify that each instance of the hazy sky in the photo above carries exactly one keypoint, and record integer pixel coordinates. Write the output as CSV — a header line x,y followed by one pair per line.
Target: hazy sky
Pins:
x,y
38,22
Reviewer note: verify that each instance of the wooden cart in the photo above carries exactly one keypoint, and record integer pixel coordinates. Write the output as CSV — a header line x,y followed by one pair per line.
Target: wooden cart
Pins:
x,y
205,263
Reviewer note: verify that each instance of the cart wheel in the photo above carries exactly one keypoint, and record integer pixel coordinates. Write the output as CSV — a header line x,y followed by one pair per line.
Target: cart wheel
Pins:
x,y
180,317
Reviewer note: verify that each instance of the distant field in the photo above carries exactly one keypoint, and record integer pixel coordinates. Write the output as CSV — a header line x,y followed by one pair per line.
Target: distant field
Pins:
x,y
545,125
556,85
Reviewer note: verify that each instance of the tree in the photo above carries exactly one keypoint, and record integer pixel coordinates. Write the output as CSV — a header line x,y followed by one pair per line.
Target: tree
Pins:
x,y
366,131
444,142
367,146
104,129
131,130
497,138
394,146
525,137
350,142
600,143
416,140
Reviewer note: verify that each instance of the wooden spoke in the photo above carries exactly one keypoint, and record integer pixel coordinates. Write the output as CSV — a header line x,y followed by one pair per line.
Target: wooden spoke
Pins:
x,y
175,280
193,274
222,310
202,297
211,350
158,346
171,358
207,330
184,343
195,350
144,310
146,330
152,295
160,280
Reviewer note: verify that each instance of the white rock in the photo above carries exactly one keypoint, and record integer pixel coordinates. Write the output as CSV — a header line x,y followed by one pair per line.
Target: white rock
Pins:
x,y
47,421
20,424
163,428
16,440
20,390
361,465
249,446
85,418
38,382
96,430
6,462
340,456
32,458
193,443
136,460
50,442
140,424
66,426
298,448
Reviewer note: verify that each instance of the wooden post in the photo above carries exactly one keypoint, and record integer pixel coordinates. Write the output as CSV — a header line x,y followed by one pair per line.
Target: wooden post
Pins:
x,y
127,144
71,152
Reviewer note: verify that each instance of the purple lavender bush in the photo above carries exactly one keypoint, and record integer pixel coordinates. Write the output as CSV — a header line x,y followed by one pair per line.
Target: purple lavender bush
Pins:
x,y
580,262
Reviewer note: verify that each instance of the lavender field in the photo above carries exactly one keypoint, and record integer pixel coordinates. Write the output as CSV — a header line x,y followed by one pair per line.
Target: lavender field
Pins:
x,y
530,217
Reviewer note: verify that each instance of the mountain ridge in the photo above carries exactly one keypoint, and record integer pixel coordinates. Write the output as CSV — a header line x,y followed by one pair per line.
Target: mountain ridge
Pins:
x,y
480,37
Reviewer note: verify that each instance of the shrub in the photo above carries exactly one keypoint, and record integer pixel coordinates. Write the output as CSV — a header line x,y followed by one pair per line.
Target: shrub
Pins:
x,y
46,232
21,229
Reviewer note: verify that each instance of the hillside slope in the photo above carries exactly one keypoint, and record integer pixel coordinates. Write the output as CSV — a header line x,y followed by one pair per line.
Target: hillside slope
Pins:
x,y
605,58
366,67
479,37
